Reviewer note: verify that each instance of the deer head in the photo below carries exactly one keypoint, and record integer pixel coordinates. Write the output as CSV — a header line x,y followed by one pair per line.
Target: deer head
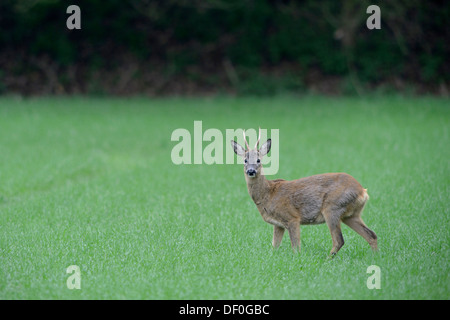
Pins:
x,y
252,158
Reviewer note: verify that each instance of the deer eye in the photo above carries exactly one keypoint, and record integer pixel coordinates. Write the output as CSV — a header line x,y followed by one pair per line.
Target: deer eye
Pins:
x,y
245,161
258,161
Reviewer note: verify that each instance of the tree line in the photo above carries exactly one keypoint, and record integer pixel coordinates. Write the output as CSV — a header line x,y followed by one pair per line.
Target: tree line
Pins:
x,y
240,46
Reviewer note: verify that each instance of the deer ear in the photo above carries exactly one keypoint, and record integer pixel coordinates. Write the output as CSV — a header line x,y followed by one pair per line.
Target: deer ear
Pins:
x,y
265,148
237,148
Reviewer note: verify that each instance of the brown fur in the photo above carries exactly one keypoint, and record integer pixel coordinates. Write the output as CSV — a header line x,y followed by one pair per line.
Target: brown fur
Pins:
x,y
329,198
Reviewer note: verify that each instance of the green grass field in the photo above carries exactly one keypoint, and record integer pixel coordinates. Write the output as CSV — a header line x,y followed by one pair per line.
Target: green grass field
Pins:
x,y
90,182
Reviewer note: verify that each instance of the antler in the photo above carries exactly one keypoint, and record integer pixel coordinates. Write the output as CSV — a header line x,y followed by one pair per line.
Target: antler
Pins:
x,y
245,139
259,138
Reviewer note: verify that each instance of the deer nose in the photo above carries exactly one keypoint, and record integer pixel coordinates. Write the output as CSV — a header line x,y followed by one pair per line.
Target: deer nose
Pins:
x,y
251,172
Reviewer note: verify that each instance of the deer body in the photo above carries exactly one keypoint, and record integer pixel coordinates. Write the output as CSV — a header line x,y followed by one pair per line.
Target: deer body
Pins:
x,y
329,198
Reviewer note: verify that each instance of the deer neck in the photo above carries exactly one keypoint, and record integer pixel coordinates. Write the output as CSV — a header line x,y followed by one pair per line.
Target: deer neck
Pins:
x,y
258,188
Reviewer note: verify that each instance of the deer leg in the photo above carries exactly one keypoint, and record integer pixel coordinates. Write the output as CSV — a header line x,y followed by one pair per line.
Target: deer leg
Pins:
x,y
278,233
334,224
356,223
294,234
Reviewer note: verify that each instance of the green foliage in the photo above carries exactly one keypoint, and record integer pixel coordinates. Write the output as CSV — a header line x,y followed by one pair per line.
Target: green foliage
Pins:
x,y
260,84
330,37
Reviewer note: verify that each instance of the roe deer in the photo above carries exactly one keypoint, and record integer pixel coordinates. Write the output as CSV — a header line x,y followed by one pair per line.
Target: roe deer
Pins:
x,y
329,197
